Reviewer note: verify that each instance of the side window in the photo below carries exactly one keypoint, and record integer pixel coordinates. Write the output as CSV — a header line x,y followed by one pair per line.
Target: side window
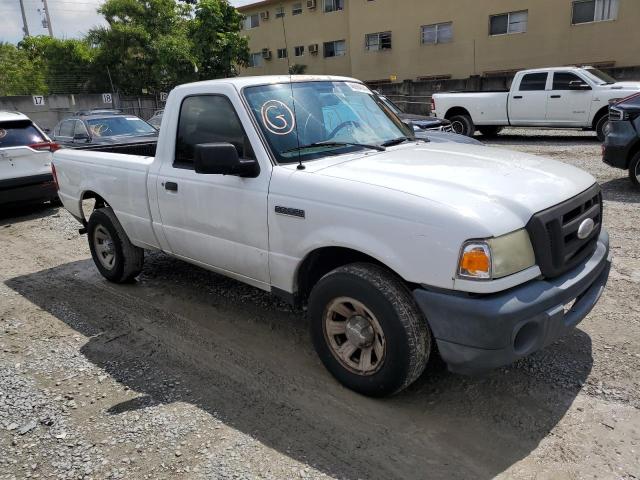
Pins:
x,y
80,128
66,129
533,81
561,80
208,119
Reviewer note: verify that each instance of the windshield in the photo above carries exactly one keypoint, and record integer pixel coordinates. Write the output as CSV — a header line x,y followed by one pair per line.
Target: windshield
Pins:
x,y
111,126
346,116
599,77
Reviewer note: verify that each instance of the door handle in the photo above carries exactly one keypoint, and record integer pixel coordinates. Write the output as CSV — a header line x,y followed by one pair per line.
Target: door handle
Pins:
x,y
556,96
518,97
171,186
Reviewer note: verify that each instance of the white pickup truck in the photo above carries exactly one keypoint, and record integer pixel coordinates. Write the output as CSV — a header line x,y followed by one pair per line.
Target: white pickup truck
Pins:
x,y
564,97
308,187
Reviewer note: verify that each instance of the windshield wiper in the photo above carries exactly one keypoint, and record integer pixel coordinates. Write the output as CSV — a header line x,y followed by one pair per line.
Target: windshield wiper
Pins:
x,y
399,140
335,144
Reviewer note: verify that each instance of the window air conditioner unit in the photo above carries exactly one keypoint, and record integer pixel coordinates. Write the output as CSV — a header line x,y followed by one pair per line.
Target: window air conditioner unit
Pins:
x,y
264,15
266,54
311,4
313,48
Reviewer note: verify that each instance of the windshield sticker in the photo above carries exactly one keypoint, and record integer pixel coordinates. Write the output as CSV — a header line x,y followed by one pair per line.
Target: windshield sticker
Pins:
x,y
358,87
3,133
277,117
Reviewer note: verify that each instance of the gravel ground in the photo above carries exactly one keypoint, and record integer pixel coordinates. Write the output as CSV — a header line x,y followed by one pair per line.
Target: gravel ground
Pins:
x,y
186,374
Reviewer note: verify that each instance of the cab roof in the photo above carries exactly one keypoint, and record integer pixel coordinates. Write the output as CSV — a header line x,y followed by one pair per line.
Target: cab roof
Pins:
x,y
242,82
7,116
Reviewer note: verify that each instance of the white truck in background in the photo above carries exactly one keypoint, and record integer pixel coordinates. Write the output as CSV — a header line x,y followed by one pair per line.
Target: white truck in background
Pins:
x,y
310,188
562,97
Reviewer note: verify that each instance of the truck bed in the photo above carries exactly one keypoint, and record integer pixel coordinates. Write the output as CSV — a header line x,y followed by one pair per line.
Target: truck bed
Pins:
x,y
145,149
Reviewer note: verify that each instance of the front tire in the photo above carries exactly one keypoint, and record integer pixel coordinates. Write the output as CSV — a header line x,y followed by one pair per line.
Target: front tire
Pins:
x,y
634,170
602,126
368,330
462,125
117,259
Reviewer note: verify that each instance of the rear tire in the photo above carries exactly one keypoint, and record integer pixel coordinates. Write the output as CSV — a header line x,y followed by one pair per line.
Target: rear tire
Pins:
x,y
368,330
602,127
117,259
634,170
462,124
490,131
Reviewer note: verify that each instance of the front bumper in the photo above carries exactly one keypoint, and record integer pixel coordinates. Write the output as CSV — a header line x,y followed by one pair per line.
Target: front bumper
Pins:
x,y
27,189
616,150
475,334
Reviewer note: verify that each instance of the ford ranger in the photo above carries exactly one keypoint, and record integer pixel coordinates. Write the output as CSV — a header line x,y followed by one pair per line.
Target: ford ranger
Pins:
x,y
310,188
565,97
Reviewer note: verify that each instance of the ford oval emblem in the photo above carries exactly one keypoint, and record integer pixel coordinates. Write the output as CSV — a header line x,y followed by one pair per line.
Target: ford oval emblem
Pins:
x,y
585,228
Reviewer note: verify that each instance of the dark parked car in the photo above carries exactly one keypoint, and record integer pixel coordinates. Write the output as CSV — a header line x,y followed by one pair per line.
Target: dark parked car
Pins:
x,y
621,147
102,128
419,122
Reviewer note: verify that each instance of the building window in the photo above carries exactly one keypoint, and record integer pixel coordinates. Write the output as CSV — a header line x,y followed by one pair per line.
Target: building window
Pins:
x,y
252,21
296,9
337,48
378,41
282,53
587,11
437,33
279,12
255,59
333,5
532,82
512,22
298,51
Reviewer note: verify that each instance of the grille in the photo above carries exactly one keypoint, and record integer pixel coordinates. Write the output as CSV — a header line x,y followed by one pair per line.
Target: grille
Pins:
x,y
554,232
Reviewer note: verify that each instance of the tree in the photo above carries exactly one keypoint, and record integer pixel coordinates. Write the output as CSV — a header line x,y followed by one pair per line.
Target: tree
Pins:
x,y
297,69
18,74
218,46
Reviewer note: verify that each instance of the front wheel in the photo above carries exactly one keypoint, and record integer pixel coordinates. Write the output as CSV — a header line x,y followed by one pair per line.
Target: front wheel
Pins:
x,y
117,259
602,127
634,170
368,330
462,125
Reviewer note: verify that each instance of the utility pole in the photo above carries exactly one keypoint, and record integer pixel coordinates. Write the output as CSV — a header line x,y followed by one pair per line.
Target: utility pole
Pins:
x,y
47,16
25,27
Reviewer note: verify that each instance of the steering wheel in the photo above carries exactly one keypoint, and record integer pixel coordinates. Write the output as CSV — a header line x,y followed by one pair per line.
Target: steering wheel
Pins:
x,y
335,131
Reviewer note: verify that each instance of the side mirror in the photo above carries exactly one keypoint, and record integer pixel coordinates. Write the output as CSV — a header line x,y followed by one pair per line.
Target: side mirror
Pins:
x,y
579,85
81,136
223,159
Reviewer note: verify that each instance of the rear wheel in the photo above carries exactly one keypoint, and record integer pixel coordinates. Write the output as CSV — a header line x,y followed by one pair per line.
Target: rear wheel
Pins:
x,y
490,131
634,170
462,124
368,330
117,259
602,127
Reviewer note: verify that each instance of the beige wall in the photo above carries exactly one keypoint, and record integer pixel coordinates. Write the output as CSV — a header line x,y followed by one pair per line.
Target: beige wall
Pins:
x,y
550,39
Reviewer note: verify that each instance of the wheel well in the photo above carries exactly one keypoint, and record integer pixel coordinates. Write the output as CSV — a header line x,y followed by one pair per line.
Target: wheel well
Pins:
x,y
602,112
323,260
456,111
632,153
98,203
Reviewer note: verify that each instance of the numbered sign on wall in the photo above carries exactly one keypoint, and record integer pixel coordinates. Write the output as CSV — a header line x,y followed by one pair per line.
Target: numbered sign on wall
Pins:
x,y
163,96
107,98
38,100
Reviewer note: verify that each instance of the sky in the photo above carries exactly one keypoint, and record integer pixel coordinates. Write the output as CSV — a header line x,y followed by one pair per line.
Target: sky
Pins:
x,y
69,18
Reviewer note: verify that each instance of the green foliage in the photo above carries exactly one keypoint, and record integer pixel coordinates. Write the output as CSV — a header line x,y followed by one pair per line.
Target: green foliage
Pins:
x,y
19,75
297,69
147,44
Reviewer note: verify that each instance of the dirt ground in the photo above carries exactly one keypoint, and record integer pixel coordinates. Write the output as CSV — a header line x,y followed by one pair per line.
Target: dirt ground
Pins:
x,y
186,374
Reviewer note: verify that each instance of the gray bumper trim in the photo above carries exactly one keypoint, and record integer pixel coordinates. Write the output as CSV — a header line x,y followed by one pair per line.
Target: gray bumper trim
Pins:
x,y
479,333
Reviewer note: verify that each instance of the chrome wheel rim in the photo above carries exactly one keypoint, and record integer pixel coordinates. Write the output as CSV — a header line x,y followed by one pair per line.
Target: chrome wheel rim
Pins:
x,y
354,336
104,248
637,172
458,127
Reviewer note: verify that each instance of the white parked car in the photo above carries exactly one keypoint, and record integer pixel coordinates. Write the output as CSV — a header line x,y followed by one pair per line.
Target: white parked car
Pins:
x,y
563,97
395,245
25,161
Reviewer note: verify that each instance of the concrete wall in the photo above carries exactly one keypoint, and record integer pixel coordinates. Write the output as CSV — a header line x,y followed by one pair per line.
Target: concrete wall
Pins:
x,y
550,39
57,107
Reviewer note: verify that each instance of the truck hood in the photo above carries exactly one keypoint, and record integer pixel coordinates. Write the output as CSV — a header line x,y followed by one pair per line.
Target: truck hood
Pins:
x,y
625,86
475,181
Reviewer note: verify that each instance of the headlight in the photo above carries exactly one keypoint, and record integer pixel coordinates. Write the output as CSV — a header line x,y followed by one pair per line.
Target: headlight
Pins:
x,y
496,257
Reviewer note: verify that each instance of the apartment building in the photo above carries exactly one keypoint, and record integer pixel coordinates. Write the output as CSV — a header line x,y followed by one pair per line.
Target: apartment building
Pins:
x,y
382,40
